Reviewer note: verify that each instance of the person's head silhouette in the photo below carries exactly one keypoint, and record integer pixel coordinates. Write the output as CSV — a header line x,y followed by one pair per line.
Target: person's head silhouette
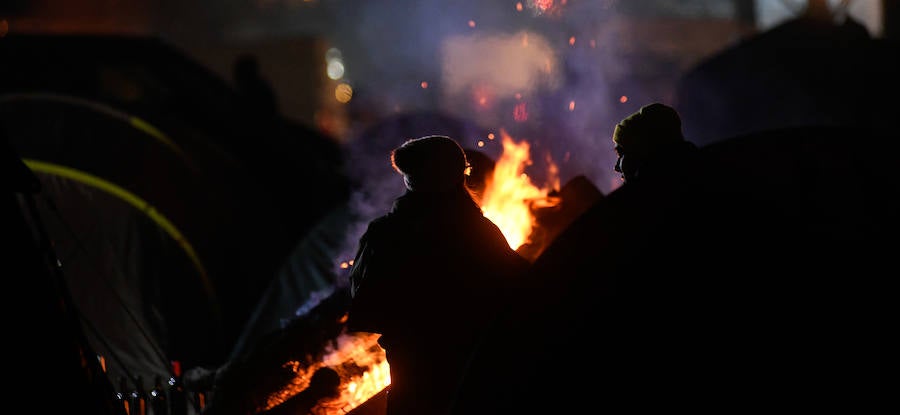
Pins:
x,y
434,163
645,136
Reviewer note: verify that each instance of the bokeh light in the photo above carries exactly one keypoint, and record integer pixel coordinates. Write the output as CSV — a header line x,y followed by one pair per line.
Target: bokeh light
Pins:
x,y
343,93
335,69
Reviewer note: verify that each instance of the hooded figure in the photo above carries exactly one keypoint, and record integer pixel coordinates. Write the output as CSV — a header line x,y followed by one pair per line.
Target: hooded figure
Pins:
x,y
429,277
648,140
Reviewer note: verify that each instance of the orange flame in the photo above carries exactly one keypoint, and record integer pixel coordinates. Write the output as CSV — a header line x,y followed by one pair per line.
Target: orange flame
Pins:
x,y
508,196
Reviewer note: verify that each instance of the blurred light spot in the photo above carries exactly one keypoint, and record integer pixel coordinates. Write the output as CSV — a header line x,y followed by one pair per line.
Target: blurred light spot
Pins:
x,y
351,262
467,73
572,105
471,23
519,6
345,265
572,40
593,43
623,99
424,85
484,95
332,54
4,27
518,95
520,112
343,93
480,143
335,69
543,5
490,136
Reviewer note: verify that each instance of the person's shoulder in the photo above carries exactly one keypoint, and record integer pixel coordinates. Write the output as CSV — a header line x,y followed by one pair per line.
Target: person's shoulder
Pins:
x,y
379,223
388,225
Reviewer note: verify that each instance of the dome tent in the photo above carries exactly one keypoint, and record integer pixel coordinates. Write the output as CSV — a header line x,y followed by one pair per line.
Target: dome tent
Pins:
x,y
173,205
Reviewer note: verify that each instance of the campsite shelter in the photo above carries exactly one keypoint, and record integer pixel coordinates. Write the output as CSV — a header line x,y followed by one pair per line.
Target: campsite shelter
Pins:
x,y
809,70
169,202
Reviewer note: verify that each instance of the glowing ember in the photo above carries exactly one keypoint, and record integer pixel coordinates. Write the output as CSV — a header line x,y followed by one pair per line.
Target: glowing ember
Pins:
x,y
508,196
520,112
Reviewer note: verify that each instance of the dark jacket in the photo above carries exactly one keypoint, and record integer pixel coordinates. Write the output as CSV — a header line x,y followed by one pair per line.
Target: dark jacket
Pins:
x,y
429,276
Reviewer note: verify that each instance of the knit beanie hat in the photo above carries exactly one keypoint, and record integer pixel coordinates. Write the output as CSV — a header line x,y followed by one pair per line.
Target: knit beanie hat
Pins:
x,y
430,163
653,126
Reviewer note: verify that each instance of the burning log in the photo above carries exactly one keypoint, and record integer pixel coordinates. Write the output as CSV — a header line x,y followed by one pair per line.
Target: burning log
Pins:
x,y
296,367
324,384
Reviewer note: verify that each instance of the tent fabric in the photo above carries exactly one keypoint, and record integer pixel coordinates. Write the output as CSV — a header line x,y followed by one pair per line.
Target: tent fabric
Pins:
x,y
67,142
133,287
803,72
137,113
309,275
50,343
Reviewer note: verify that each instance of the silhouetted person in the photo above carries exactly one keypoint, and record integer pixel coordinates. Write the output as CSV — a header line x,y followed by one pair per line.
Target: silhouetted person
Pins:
x,y
255,91
429,276
650,142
